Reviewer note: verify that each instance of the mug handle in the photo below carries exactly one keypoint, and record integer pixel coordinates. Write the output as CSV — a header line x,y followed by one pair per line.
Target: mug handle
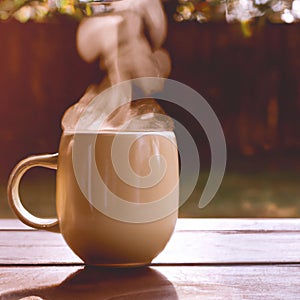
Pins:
x,y
47,161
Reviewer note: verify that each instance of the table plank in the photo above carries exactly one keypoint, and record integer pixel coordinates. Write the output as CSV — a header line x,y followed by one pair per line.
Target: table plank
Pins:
x,y
232,282
289,224
187,246
205,259
13,224
232,247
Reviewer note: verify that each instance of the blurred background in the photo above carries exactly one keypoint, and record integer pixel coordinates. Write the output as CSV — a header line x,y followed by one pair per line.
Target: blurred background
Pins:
x,y
248,72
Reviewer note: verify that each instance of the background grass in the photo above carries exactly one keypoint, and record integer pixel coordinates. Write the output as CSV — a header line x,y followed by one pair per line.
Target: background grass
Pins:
x,y
252,187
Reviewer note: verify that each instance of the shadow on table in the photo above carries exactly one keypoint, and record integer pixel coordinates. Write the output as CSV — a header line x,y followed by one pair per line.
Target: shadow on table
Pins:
x,y
98,283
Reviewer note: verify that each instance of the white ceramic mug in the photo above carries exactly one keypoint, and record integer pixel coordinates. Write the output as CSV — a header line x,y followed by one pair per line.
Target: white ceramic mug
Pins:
x,y
126,220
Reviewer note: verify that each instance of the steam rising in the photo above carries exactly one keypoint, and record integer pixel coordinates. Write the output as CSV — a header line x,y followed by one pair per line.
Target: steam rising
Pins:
x,y
127,41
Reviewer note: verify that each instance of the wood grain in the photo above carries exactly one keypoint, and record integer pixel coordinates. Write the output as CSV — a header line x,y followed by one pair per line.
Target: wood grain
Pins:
x,y
233,282
192,243
220,224
203,224
205,259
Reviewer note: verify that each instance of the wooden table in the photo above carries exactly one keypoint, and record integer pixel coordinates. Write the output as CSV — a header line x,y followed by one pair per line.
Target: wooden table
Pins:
x,y
205,259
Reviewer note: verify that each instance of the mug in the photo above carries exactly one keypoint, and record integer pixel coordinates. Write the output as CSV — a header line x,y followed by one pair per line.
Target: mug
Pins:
x,y
117,194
